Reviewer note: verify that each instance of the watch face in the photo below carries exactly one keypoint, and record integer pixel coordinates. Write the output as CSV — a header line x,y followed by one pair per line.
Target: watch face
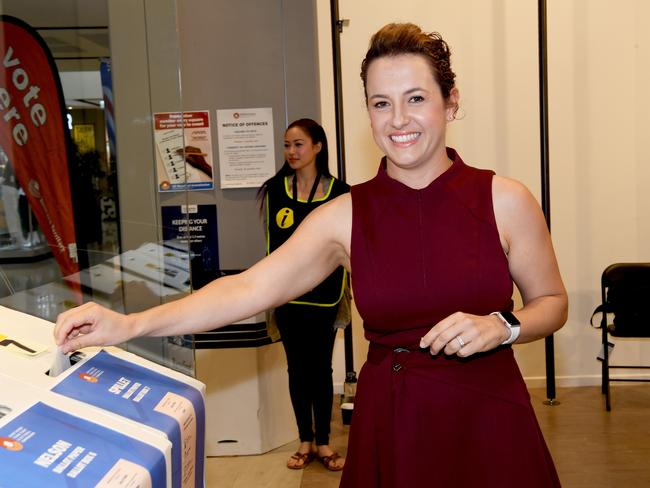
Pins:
x,y
510,318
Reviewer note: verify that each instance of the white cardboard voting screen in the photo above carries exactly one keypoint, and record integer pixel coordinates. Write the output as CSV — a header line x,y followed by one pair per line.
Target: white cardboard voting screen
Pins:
x,y
116,382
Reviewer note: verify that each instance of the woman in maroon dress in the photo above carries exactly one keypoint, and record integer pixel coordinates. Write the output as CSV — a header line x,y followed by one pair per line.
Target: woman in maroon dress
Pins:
x,y
434,247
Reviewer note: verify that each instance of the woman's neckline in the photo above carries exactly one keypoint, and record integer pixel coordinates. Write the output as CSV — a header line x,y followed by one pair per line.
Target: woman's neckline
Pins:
x,y
452,156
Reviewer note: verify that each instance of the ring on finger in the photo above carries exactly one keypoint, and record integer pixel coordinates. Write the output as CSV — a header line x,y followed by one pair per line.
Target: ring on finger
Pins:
x,y
461,342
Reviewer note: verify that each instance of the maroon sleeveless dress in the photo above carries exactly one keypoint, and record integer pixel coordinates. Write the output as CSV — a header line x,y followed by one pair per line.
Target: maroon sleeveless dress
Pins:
x,y
435,421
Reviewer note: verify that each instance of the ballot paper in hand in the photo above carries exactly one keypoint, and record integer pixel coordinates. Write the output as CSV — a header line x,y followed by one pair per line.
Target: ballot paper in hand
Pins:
x,y
60,364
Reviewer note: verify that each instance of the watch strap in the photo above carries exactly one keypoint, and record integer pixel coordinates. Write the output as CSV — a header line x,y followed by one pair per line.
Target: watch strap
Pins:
x,y
514,328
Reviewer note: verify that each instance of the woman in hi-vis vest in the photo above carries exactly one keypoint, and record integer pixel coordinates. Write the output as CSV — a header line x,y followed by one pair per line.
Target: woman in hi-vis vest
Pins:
x,y
306,324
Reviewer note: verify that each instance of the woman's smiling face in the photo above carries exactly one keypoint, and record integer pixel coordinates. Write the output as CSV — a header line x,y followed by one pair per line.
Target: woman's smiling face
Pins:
x,y
408,114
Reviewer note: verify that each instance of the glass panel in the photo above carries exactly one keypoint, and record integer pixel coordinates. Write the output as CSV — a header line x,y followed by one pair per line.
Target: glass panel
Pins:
x,y
114,77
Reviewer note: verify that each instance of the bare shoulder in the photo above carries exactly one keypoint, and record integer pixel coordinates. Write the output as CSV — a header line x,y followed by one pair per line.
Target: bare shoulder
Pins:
x,y
508,191
516,210
512,198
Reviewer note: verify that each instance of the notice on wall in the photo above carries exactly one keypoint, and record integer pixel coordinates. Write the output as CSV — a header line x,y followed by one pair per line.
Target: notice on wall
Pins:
x,y
192,229
183,151
246,149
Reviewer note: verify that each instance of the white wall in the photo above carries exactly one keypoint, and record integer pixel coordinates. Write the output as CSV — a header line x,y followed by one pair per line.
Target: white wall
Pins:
x,y
599,73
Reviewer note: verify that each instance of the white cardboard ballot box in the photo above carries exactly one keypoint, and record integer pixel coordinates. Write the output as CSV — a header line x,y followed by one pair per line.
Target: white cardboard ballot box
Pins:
x,y
117,382
248,387
49,440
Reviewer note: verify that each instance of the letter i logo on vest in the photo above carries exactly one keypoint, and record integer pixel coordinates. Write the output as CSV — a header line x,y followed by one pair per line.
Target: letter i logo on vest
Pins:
x,y
284,218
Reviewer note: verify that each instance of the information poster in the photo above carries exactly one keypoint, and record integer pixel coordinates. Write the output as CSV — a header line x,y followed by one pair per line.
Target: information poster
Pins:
x,y
149,398
193,229
45,447
183,151
246,149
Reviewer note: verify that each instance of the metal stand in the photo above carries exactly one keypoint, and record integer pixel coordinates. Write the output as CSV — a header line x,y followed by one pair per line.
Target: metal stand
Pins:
x,y
337,28
546,199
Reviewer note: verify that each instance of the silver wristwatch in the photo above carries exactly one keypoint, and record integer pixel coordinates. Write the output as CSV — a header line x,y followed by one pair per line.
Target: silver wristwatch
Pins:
x,y
511,322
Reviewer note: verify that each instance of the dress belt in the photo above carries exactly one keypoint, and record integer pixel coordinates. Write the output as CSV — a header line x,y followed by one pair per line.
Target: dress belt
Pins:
x,y
378,352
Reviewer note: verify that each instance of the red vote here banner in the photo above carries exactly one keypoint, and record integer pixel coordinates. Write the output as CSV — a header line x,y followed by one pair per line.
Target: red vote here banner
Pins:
x,y
33,134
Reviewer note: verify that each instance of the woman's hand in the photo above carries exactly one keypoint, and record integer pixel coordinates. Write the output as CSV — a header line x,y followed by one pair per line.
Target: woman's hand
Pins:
x,y
465,334
92,325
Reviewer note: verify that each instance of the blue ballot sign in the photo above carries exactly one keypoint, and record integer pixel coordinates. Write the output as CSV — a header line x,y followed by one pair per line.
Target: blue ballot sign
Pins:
x,y
45,447
150,398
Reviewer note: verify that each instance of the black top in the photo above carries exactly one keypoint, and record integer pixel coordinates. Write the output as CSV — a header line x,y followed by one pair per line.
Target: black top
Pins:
x,y
283,215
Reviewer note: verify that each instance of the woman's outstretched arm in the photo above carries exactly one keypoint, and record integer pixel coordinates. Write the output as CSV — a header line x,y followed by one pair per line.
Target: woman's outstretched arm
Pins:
x,y
319,245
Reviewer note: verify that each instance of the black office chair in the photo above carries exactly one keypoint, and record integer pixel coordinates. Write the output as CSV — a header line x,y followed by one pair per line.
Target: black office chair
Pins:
x,y
625,289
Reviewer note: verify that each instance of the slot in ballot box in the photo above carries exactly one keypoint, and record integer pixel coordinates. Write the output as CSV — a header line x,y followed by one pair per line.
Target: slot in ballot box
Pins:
x,y
49,440
119,383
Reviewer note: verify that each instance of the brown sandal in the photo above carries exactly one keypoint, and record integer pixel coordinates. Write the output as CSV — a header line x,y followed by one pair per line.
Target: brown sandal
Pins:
x,y
305,457
330,461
